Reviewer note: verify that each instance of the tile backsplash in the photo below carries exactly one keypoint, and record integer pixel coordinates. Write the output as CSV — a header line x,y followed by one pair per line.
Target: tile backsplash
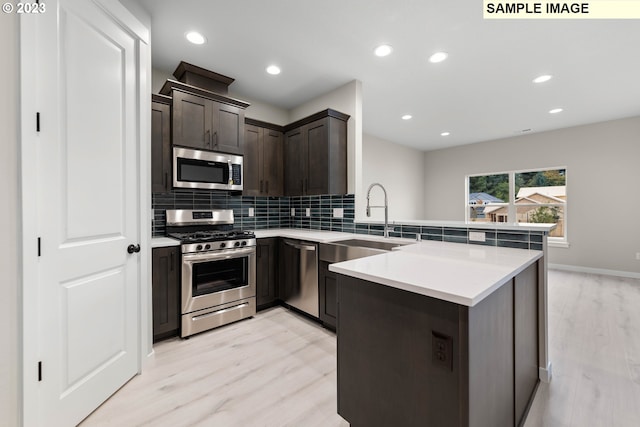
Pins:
x,y
268,212
317,213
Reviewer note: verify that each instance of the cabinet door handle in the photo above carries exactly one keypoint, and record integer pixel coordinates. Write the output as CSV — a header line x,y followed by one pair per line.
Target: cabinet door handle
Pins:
x,y
171,261
261,186
207,135
215,139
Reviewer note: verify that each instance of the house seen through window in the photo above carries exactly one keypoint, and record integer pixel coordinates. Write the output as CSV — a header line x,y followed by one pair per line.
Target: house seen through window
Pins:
x,y
537,196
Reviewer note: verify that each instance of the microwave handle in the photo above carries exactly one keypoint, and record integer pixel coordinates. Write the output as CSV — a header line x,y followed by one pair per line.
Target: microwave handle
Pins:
x,y
230,173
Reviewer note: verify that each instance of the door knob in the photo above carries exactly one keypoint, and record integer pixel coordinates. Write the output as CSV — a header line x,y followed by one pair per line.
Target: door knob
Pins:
x,y
133,248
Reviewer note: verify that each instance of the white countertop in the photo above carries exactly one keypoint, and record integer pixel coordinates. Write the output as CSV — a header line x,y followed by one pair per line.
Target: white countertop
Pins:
x,y
310,235
318,236
455,272
163,242
518,226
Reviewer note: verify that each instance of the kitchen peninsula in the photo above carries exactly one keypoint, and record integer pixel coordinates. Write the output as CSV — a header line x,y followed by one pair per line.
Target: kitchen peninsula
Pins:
x,y
441,334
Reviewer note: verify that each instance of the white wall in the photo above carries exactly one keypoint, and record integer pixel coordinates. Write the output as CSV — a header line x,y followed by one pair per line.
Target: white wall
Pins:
x,y
10,354
260,111
400,170
603,176
158,77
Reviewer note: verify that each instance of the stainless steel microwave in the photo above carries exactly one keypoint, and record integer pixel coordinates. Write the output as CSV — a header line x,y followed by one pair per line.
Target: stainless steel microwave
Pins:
x,y
206,170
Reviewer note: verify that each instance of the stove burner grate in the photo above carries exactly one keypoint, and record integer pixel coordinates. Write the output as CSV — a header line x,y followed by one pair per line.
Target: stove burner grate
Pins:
x,y
211,236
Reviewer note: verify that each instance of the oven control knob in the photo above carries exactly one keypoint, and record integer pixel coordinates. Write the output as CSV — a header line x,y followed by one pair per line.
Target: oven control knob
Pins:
x,y
207,246
244,243
222,245
236,244
199,247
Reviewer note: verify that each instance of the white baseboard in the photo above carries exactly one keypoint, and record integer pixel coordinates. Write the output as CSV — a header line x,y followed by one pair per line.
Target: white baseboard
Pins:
x,y
590,270
545,374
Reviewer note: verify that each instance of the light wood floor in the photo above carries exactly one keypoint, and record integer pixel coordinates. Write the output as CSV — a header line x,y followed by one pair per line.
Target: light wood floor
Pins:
x,y
594,345
276,369
279,369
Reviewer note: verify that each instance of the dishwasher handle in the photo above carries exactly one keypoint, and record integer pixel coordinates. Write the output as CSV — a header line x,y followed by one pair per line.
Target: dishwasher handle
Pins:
x,y
298,246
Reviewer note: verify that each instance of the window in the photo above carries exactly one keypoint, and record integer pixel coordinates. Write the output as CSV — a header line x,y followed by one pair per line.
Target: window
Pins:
x,y
535,196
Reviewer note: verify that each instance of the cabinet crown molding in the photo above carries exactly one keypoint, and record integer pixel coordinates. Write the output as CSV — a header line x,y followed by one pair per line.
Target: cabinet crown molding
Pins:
x,y
320,115
266,125
171,85
201,77
163,99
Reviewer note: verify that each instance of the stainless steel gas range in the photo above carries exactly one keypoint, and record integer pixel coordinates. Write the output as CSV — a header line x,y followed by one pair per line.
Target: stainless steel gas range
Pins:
x,y
218,268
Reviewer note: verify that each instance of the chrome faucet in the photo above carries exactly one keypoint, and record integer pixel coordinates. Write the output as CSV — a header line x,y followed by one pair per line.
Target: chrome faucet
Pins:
x,y
386,207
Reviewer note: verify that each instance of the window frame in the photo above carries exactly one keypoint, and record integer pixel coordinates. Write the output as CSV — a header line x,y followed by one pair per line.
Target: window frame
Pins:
x,y
512,207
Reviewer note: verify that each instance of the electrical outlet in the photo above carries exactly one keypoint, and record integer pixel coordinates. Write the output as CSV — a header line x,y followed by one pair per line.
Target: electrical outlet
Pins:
x,y
252,212
293,211
442,350
338,212
477,236
308,212
638,256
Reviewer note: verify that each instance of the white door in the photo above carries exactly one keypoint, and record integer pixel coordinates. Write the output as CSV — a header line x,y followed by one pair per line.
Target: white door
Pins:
x,y
88,214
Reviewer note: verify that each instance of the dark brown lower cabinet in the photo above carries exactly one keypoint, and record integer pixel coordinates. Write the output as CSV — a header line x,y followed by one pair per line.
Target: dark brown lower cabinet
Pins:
x,y
410,360
266,272
327,296
525,303
165,289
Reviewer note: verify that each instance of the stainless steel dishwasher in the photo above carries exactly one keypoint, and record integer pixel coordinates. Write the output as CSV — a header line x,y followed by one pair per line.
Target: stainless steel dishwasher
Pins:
x,y
299,278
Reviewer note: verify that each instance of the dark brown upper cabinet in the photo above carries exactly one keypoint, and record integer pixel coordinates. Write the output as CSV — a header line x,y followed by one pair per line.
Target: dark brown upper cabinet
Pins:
x,y
204,123
204,117
160,144
315,155
263,159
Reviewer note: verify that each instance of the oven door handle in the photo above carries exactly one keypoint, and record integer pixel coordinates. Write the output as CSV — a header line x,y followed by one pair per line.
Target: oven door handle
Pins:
x,y
218,255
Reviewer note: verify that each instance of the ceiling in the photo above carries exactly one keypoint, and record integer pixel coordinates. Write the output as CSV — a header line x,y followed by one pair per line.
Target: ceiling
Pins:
x,y
483,91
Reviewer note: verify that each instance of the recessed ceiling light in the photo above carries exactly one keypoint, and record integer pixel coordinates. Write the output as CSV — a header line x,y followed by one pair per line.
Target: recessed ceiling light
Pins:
x,y
555,111
543,78
273,69
445,134
195,37
407,117
383,50
438,57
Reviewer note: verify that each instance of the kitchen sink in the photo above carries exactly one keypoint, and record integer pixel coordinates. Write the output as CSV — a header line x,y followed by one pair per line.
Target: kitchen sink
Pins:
x,y
345,250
